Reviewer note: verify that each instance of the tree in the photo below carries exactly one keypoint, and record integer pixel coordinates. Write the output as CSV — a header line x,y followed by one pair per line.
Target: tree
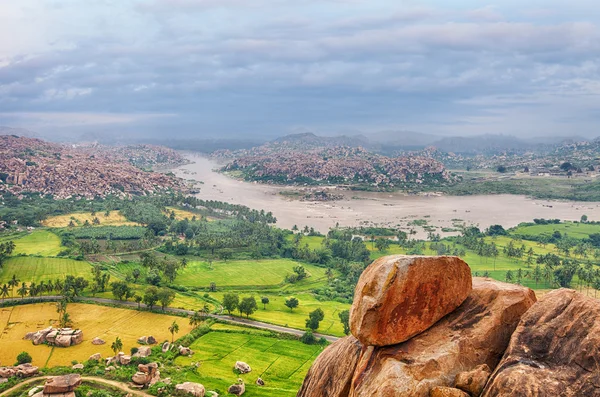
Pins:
x,y
6,249
170,270
584,218
230,302
153,277
23,290
13,283
196,319
509,276
382,244
265,301
501,169
345,320
150,296
120,289
292,303
138,299
314,318
165,297
117,346
24,358
136,274
248,306
4,291
212,287
173,329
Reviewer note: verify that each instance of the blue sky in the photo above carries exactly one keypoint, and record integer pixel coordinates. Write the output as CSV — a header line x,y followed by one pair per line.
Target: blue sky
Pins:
x,y
264,68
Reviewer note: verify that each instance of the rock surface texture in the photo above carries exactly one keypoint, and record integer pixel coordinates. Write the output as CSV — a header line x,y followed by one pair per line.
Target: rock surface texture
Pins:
x,y
193,389
331,373
555,350
399,296
61,337
62,384
476,333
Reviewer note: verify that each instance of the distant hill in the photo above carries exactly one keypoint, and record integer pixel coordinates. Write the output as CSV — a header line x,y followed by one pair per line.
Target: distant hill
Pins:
x,y
310,140
4,130
482,144
403,138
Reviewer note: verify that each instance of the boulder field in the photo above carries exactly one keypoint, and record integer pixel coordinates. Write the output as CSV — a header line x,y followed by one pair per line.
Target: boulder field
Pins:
x,y
474,337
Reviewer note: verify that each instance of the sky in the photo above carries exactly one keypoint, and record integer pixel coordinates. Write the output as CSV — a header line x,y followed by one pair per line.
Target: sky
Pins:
x,y
266,68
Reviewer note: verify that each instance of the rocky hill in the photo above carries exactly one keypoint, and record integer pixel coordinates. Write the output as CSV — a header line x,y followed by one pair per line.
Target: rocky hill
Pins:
x,y
35,166
422,327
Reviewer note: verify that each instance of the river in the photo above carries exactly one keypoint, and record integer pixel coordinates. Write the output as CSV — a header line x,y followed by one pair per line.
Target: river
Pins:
x,y
381,209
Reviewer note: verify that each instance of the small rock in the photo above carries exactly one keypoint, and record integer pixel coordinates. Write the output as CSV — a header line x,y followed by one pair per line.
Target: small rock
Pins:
x,y
98,341
124,359
473,381
62,384
194,389
78,366
95,357
185,351
165,347
242,367
109,368
238,389
260,382
139,378
3,380
35,390
440,391
151,340
143,351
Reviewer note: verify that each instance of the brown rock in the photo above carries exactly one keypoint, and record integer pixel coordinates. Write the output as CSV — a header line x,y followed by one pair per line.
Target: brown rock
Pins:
x,y
77,338
140,378
63,340
143,351
242,367
7,372
62,384
554,350
399,296
124,359
194,389
441,391
473,381
474,334
95,357
26,370
331,373
97,341
237,389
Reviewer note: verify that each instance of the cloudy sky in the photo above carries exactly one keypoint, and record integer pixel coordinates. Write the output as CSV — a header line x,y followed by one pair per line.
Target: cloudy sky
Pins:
x,y
270,67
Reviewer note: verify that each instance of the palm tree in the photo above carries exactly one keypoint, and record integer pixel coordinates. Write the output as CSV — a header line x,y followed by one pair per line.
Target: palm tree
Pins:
x,y
117,345
4,291
195,319
42,288
33,289
13,283
22,290
49,287
173,329
58,285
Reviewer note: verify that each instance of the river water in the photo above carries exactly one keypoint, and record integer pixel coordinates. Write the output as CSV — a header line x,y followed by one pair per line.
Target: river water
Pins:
x,y
381,209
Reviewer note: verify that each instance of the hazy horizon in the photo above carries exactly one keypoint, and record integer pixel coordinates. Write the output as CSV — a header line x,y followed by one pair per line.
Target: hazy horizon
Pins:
x,y
259,69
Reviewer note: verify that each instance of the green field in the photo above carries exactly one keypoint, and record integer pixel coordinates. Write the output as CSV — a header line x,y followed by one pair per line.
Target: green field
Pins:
x,y
39,242
282,364
244,273
277,313
575,230
28,269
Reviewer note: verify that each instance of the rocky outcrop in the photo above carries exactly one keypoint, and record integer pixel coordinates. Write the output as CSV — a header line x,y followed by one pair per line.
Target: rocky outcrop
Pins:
x,y
62,384
554,350
238,389
147,375
143,351
443,391
399,296
473,381
22,371
476,333
331,373
61,337
242,367
147,340
193,389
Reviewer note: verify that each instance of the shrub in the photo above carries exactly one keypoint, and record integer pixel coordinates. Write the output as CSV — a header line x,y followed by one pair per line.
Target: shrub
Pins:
x,y
24,358
308,338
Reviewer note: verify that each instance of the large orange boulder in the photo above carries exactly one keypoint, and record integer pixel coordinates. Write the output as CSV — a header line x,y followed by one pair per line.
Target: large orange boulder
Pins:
x,y
555,350
331,373
399,296
476,333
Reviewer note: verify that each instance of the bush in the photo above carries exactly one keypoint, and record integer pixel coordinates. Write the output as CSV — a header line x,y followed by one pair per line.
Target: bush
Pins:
x,y
24,358
134,350
308,338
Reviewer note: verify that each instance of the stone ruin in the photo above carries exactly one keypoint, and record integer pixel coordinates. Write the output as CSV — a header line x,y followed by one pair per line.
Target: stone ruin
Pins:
x,y
61,337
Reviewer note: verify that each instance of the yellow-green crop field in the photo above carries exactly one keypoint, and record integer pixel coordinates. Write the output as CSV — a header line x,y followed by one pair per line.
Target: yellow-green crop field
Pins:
x,y
28,269
114,218
38,242
96,321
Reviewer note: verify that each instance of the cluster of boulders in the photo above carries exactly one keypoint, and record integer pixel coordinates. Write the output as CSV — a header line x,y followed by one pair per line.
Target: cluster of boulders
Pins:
x,y
147,340
59,386
61,337
193,389
422,326
22,371
147,375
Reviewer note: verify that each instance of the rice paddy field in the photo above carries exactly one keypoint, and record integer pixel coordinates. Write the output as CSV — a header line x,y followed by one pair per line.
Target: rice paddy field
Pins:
x,y
575,230
28,269
114,218
95,321
282,364
183,214
38,242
